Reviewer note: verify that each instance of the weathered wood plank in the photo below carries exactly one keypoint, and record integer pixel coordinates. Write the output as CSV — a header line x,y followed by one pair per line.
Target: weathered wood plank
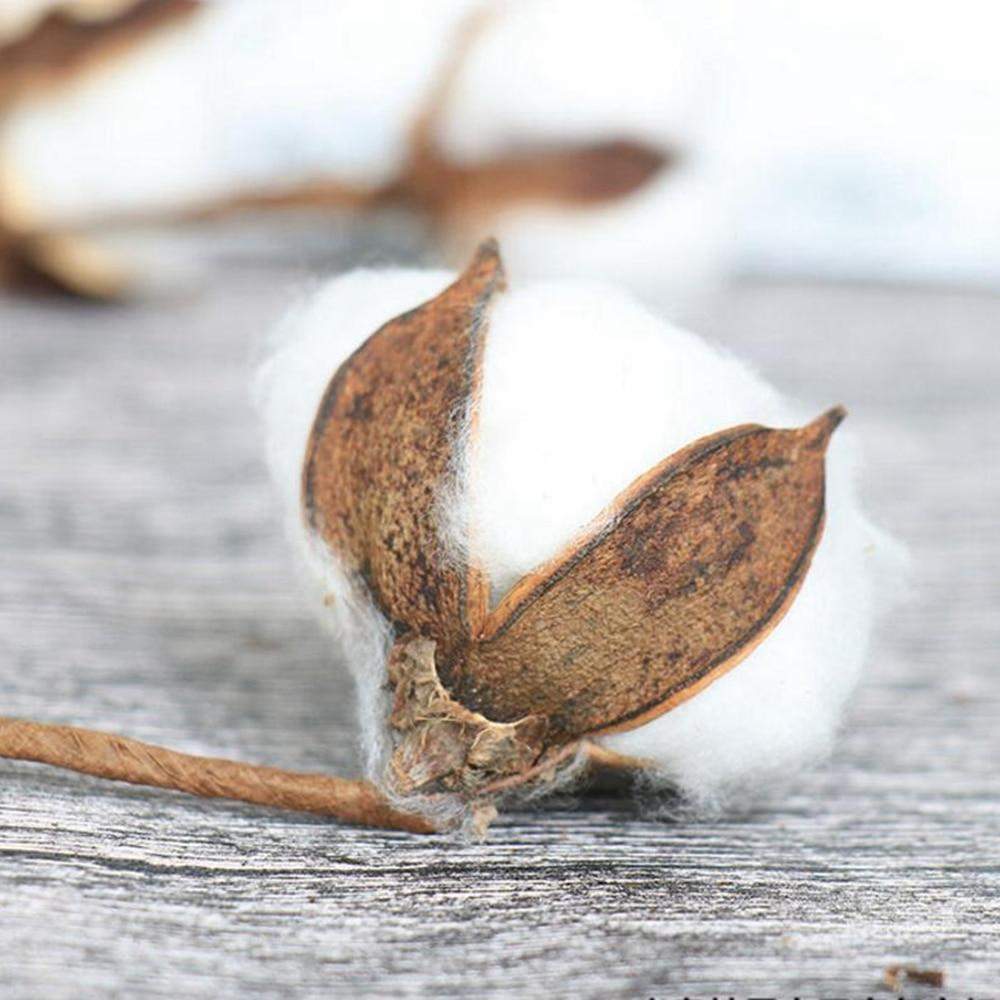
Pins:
x,y
144,587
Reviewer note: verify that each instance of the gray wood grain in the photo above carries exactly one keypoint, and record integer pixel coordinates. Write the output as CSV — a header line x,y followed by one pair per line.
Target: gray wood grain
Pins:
x,y
144,587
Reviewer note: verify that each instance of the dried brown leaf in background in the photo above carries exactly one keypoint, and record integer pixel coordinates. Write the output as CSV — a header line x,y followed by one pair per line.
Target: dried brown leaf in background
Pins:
x,y
896,977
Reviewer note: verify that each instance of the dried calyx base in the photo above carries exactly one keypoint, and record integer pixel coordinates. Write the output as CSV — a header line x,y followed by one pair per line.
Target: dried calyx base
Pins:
x,y
440,748
439,744
454,764
674,583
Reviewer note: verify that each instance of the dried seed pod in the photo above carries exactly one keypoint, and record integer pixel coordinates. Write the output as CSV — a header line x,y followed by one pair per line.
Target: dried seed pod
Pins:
x,y
674,583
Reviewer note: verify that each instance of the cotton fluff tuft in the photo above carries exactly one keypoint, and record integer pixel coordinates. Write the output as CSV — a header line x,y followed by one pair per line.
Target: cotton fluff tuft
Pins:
x,y
583,391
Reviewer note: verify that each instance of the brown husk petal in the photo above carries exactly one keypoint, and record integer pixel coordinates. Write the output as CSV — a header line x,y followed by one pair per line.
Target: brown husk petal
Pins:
x,y
684,574
381,455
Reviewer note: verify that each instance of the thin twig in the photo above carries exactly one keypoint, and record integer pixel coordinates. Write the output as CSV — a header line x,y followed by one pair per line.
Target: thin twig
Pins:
x,y
105,755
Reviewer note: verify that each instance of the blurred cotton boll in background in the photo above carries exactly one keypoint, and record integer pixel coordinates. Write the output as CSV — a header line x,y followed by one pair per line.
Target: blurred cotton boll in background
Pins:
x,y
662,144
863,140
226,100
573,131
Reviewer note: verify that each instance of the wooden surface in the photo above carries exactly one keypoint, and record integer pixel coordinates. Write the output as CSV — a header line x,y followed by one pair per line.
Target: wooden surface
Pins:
x,y
144,587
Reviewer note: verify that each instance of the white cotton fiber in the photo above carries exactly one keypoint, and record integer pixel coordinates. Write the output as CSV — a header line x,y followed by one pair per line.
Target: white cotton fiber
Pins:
x,y
583,391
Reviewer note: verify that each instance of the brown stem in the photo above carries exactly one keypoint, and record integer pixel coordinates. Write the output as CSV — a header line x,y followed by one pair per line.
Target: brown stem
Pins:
x,y
105,755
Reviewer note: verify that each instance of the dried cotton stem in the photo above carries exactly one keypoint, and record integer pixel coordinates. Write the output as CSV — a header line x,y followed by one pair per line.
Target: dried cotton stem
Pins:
x,y
105,755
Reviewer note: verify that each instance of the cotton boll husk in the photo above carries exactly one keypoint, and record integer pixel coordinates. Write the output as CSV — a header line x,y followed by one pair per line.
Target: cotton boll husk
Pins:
x,y
583,391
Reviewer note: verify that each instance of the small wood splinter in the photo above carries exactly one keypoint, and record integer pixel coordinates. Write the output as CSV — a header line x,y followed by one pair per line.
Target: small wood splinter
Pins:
x,y
896,977
674,583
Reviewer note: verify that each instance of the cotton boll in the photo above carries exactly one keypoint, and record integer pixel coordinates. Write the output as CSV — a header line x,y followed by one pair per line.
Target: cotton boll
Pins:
x,y
584,390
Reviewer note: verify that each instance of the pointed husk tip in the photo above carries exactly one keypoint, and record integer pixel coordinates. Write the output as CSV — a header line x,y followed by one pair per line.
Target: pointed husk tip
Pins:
x,y
820,430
